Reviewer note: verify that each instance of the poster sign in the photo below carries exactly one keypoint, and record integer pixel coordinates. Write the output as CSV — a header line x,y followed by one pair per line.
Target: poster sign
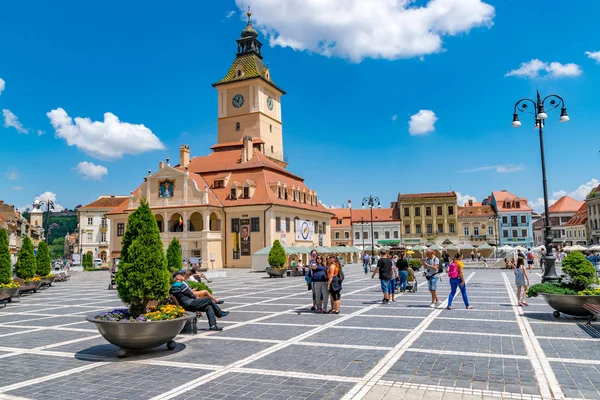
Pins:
x,y
245,247
283,236
305,230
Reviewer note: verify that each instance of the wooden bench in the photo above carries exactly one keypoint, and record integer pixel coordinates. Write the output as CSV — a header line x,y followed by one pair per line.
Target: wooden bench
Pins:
x,y
190,326
4,298
24,288
594,311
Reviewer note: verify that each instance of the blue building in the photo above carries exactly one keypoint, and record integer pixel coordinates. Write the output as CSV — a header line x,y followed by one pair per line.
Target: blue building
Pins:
x,y
514,219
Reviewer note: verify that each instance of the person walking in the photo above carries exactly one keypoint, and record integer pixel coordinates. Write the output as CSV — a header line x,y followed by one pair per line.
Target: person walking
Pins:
x,y
334,282
384,267
456,273
521,281
530,257
395,279
365,260
402,265
432,264
478,255
446,259
319,284
472,255
308,278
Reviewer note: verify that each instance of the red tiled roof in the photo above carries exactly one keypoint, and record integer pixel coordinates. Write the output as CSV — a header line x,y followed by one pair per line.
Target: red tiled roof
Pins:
x,y
107,202
379,214
579,218
475,211
341,214
239,144
503,195
408,196
565,204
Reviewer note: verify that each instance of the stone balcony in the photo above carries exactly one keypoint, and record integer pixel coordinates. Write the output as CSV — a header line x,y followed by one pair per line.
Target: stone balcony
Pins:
x,y
201,235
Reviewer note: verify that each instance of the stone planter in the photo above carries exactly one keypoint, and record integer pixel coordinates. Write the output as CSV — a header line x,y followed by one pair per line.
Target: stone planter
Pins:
x,y
570,304
140,335
277,273
37,284
47,281
12,292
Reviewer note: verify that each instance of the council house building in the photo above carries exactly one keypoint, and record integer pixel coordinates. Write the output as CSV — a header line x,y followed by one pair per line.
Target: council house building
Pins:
x,y
225,206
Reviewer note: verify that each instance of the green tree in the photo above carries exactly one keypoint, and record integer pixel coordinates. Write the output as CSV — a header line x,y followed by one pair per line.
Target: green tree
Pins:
x,y
579,273
25,267
42,259
5,264
87,261
277,256
143,274
174,260
57,248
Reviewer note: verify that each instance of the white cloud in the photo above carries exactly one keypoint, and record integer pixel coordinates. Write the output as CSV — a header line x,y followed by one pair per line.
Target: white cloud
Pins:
x,y
594,55
505,168
12,121
2,83
40,132
107,140
88,170
578,194
17,188
46,196
388,29
230,14
328,206
536,69
462,199
12,175
394,117
422,122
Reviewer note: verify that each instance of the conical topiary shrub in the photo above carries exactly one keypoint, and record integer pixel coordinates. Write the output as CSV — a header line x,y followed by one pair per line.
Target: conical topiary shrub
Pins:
x,y
25,268
277,256
42,259
143,274
5,264
174,260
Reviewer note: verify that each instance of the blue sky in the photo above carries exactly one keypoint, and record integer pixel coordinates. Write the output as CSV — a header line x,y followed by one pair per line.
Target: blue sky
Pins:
x,y
354,78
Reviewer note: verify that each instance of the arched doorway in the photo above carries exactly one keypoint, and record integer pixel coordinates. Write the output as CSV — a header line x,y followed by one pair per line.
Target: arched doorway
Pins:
x,y
176,223
196,222
160,221
215,222
89,253
103,256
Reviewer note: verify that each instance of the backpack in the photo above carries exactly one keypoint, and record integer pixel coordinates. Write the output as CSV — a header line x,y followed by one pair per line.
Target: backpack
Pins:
x,y
530,256
453,270
440,266
341,275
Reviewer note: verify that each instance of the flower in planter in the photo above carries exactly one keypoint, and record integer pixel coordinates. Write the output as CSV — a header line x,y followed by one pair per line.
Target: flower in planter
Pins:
x,y
10,285
34,279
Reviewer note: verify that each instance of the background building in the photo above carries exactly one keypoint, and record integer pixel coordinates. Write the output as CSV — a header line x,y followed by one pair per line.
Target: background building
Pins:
x,y
94,226
560,213
386,228
341,226
592,202
227,205
18,227
475,225
514,223
427,218
576,228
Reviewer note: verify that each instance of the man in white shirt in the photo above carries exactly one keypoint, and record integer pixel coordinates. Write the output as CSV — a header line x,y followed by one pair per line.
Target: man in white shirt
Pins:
x,y
432,264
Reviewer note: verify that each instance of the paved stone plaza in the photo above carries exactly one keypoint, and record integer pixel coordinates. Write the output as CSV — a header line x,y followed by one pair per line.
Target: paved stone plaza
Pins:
x,y
273,348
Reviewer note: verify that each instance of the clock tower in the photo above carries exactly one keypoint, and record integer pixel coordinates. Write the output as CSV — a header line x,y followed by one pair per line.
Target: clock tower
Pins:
x,y
249,102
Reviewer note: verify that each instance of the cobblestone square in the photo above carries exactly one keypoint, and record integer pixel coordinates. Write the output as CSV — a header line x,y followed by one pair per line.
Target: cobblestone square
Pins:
x,y
274,348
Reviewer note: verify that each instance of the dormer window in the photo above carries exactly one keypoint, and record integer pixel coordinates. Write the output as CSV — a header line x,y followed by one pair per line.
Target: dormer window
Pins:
x,y
293,195
246,192
239,73
219,184
237,127
279,192
517,203
233,194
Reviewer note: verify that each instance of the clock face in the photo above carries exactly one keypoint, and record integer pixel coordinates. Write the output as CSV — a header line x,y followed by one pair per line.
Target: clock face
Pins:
x,y
270,103
237,101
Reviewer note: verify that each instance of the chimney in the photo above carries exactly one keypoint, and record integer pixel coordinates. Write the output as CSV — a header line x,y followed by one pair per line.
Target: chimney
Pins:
x,y
247,150
470,202
349,203
184,155
161,165
168,165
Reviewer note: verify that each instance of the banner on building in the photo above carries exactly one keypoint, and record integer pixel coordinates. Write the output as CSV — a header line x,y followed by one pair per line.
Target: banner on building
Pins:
x,y
305,230
283,233
245,247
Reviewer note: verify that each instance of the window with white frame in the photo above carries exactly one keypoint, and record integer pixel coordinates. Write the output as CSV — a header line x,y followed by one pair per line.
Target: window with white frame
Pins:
x,y
466,230
490,230
89,237
357,235
90,221
476,230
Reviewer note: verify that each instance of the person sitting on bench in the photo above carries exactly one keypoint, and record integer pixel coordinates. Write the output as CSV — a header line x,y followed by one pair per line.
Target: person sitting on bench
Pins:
x,y
187,276
197,275
188,300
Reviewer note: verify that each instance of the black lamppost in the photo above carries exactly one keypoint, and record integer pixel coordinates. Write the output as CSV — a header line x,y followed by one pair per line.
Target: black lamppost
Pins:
x,y
362,231
371,202
49,205
495,218
539,112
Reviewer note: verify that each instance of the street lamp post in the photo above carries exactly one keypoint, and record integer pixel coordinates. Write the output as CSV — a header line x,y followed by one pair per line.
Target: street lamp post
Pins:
x,y
49,205
539,112
495,218
371,202
362,231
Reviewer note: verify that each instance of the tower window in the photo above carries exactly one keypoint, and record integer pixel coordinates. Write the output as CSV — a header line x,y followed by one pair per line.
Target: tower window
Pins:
x,y
233,194
272,151
237,126
239,72
271,128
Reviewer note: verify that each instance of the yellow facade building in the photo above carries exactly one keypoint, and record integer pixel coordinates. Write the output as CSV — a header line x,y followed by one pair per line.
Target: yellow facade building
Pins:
x,y
227,205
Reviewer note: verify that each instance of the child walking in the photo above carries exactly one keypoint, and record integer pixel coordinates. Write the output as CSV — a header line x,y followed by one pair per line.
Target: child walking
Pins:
x,y
521,281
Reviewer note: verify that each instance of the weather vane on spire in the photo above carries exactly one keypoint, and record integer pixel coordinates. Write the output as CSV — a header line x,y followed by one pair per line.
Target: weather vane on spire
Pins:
x,y
249,14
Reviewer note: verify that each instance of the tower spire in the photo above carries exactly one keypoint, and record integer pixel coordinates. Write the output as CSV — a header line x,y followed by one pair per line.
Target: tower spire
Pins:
x,y
248,42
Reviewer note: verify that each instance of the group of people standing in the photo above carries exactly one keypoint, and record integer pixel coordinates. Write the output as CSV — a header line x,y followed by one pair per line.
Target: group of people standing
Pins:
x,y
324,278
